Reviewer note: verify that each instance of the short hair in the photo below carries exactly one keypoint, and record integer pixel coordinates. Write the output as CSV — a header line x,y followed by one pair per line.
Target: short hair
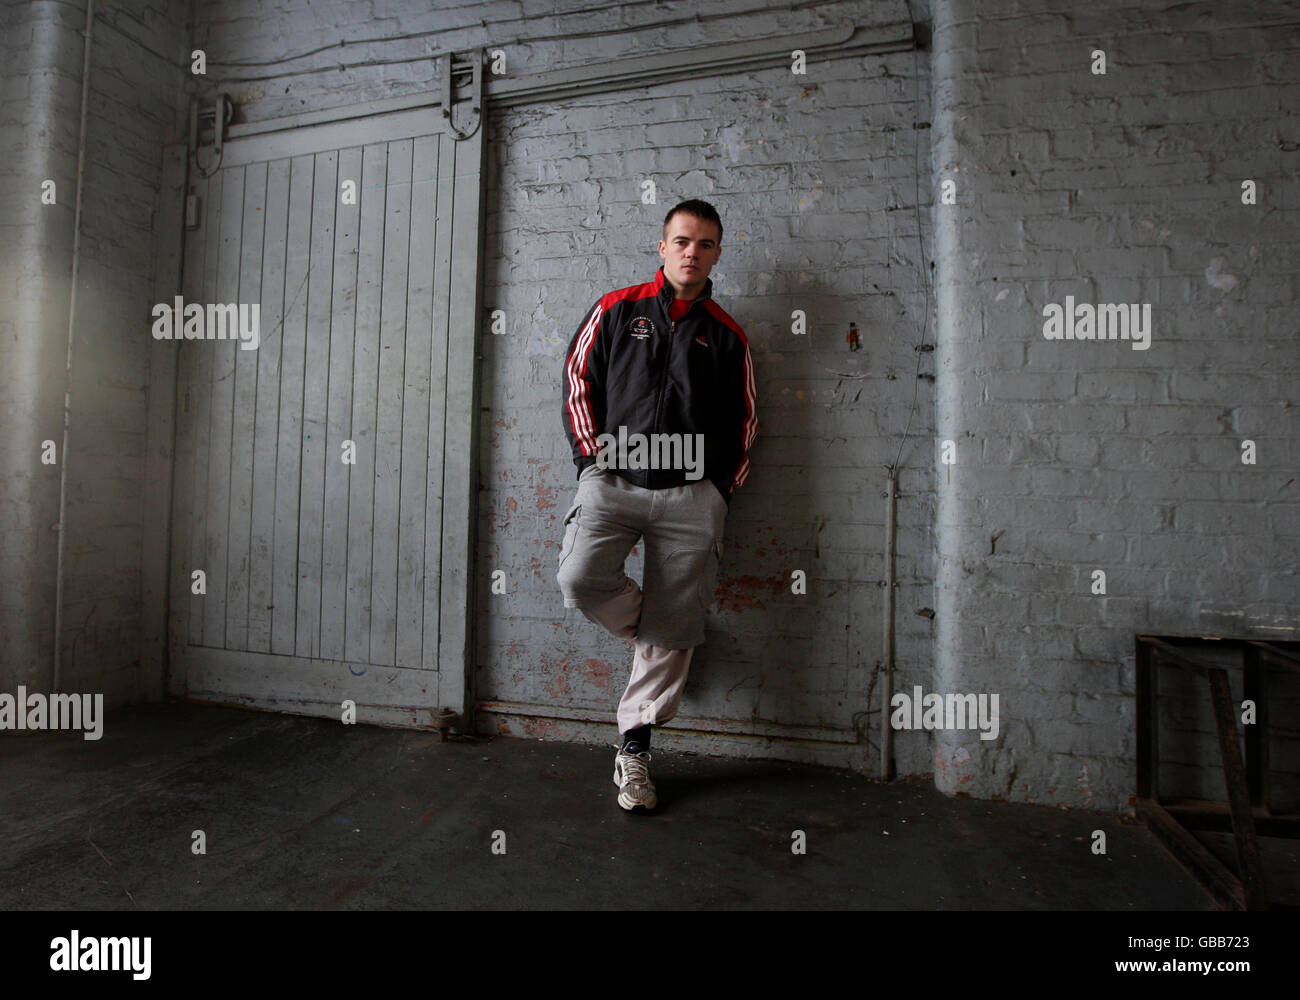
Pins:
x,y
699,209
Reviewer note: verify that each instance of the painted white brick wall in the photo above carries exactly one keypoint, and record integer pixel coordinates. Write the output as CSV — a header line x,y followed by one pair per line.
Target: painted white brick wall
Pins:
x,y
41,92
134,107
1082,456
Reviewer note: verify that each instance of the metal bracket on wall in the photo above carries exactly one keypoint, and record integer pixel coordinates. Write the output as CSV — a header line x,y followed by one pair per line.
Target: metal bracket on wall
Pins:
x,y
215,117
455,87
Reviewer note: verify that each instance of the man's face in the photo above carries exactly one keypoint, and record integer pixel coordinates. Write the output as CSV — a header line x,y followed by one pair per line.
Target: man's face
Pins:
x,y
689,252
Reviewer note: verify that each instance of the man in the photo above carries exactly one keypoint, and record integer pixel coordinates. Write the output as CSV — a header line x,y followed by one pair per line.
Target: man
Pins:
x,y
659,410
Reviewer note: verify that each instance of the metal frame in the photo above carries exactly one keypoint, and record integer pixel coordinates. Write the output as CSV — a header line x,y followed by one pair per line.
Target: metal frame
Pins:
x,y
1246,813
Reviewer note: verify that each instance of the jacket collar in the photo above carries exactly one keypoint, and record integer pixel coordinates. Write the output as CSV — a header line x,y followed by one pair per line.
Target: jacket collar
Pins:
x,y
665,291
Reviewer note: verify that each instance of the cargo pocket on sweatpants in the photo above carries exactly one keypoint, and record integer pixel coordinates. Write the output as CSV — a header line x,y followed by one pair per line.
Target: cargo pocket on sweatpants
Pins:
x,y
571,520
709,578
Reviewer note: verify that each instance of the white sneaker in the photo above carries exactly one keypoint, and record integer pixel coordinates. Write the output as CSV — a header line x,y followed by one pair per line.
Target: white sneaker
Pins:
x,y
633,778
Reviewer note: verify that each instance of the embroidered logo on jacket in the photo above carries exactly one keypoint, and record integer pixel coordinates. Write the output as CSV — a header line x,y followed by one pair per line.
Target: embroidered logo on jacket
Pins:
x,y
640,327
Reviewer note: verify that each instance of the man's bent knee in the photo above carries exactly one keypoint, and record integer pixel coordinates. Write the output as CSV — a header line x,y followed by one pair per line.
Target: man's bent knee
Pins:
x,y
578,588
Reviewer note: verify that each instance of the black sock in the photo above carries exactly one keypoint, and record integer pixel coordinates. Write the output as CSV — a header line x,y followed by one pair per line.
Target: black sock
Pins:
x,y
636,740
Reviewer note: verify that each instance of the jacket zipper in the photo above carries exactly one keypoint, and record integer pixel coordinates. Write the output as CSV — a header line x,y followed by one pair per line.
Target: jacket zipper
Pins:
x,y
663,378
663,375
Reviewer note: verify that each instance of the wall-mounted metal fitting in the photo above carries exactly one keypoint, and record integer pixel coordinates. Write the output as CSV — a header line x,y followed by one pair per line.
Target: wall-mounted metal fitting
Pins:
x,y
462,90
443,719
208,128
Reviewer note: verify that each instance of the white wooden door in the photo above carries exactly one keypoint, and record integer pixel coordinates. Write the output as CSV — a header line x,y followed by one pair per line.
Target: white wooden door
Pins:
x,y
328,580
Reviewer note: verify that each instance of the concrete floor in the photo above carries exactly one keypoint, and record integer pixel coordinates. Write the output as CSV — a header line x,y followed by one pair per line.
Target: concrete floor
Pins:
x,y
309,814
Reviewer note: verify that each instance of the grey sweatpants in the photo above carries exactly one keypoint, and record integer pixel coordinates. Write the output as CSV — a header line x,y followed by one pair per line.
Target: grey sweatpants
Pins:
x,y
682,527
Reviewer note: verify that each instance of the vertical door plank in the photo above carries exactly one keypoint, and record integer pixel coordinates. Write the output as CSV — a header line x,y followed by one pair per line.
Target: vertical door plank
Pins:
x,y
289,442
412,571
388,425
316,451
365,380
245,403
261,593
334,545
223,402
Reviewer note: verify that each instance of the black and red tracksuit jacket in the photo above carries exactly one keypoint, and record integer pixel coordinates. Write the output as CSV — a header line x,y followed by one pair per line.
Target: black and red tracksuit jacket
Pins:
x,y
631,365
